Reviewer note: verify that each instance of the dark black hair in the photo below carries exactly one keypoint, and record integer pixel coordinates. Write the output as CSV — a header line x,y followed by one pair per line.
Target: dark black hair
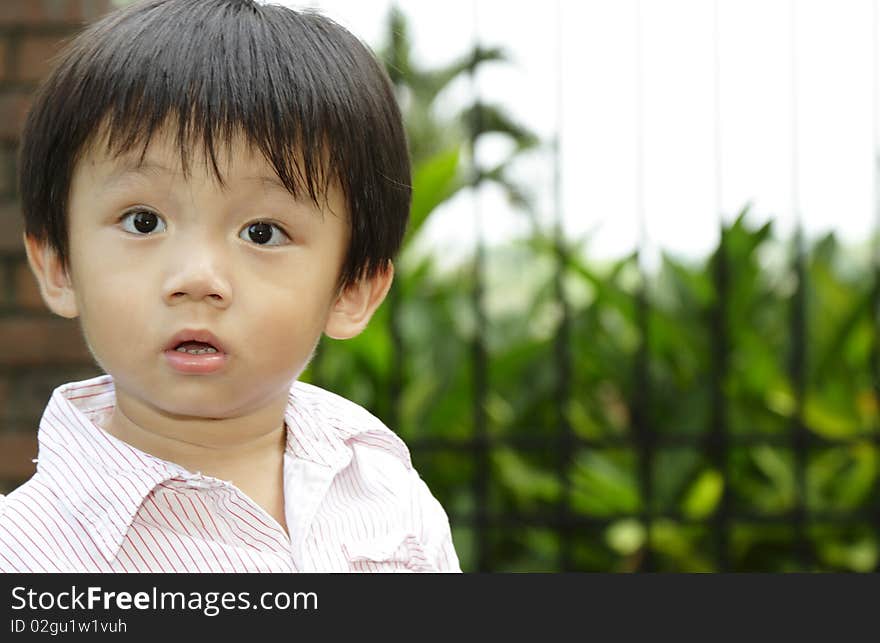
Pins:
x,y
303,90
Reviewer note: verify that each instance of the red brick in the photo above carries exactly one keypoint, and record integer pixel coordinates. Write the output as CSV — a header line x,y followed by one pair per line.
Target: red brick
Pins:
x,y
4,48
26,290
17,452
33,388
11,228
14,106
4,395
31,12
35,56
41,341
7,171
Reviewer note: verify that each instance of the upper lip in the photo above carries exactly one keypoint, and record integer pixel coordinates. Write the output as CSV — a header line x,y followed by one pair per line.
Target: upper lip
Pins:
x,y
195,335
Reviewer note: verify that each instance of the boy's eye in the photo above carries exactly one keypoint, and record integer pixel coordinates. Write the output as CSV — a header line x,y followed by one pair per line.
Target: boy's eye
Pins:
x,y
143,222
260,232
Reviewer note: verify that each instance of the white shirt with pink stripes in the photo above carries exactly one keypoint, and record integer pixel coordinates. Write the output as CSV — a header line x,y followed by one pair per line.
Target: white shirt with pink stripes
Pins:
x,y
353,501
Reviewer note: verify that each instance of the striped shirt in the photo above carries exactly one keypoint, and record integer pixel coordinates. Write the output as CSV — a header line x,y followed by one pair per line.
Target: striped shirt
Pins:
x,y
353,502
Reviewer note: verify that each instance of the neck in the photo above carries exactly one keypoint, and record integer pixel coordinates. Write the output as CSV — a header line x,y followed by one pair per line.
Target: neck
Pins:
x,y
247,451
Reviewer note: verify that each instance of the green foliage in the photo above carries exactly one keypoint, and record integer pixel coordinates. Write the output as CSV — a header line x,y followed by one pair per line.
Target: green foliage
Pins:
x,y
716,337
763,478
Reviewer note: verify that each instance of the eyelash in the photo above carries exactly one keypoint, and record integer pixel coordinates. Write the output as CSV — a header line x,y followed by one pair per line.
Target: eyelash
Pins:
x,y
129,213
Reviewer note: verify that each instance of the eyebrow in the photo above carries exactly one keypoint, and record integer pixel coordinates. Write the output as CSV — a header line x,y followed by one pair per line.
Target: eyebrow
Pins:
x,y
149,167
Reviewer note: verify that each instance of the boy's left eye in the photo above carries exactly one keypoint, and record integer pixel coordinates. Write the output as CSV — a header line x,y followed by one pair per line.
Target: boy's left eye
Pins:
x,y
145,222
260,232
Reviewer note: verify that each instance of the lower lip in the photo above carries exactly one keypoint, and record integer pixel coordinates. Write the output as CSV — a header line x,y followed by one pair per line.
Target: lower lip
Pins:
x,y
195,364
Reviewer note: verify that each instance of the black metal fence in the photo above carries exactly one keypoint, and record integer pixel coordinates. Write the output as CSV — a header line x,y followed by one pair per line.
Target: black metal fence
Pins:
x,y
645,442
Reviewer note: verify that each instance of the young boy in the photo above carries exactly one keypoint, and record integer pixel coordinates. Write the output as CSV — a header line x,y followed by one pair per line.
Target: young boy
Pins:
x,y
209,186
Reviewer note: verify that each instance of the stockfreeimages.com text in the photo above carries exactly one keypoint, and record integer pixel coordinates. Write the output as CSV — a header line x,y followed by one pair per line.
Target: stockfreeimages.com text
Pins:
x,y
209,603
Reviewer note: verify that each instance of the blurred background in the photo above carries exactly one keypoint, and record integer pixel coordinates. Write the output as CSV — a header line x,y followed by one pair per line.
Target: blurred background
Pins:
x,y
634,325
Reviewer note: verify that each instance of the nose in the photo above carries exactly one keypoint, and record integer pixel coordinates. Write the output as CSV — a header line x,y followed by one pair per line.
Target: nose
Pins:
x,y
200,275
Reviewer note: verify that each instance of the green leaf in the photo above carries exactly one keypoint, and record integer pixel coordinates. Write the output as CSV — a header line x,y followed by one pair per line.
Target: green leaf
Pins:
x,y
703,496
527,483
626,536
605,483
434,181
829,419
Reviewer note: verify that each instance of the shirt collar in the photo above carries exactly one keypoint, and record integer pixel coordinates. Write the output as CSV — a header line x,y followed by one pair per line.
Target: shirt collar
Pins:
x,y
322,426
105,480
322,430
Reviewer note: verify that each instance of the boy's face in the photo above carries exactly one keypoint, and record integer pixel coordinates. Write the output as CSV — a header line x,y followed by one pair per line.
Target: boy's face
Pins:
x,y
193,259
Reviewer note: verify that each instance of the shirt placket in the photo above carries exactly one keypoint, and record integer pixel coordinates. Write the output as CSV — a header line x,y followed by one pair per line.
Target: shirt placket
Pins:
x,y
247,524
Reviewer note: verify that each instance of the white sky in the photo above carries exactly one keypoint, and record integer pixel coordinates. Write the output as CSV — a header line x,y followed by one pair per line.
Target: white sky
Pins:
x,y
597,111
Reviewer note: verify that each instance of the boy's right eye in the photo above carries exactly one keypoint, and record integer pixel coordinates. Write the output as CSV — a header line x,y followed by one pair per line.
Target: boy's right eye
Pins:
x,y
142,222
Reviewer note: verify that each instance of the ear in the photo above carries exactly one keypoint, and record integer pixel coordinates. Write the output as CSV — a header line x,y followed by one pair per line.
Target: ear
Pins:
x,y
56,287
355,305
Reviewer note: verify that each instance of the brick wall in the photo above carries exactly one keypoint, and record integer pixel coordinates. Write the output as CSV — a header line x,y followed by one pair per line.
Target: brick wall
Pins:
x,y
38,350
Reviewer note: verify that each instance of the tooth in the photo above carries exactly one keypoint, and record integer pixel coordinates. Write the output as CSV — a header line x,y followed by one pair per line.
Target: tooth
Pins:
x,y
196,351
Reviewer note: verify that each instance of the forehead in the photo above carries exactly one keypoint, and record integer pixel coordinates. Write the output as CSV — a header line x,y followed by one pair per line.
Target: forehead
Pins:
x,y
237,162
162,156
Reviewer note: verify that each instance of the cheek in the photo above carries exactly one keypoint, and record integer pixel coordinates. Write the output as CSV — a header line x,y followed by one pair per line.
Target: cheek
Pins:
x,y
99,273
111,305
285,320
112,322
112,293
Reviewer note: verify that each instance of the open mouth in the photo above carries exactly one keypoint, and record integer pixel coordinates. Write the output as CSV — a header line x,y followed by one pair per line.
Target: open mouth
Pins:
x,y
196,351
196,348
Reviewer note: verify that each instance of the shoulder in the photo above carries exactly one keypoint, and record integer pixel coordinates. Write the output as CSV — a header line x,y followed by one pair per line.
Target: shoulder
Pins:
x,y
377,475
31,500
20,497
26,541
350,424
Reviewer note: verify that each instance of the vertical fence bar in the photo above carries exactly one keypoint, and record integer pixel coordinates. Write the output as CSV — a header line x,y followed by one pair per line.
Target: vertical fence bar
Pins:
x,y
875,292
719,443
478,346
797,373
395,379
641,422
562,341
798,323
